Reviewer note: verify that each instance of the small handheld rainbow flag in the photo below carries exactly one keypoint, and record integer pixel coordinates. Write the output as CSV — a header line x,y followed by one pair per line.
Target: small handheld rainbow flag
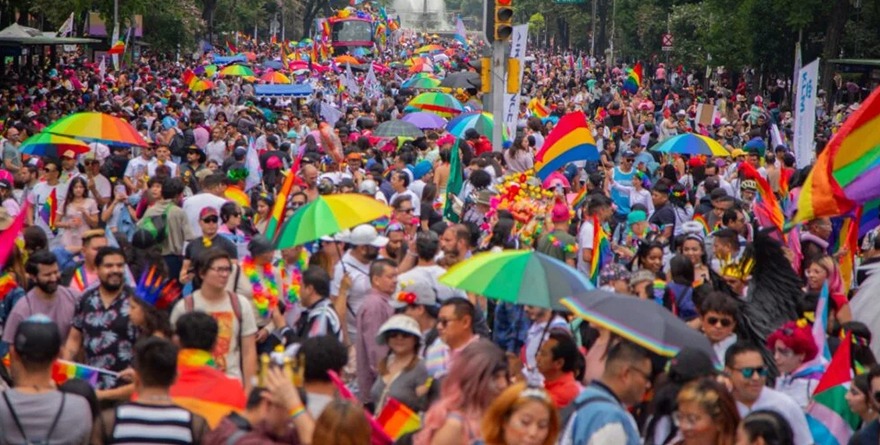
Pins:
x,y
398,419
538,109
49,210
63,371
702,220
117,48
634,79
601,250
232,49
578,199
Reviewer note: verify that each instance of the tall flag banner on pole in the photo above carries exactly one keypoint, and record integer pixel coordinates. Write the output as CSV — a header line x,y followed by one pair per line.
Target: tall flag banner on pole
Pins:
x,y
830,419
460,32
232,49
66,27
807,80
453,184
116,48
601,251
351,84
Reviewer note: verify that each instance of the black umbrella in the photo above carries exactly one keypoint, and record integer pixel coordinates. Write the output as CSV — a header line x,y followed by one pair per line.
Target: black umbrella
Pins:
x,y
397,128
461,79
643,322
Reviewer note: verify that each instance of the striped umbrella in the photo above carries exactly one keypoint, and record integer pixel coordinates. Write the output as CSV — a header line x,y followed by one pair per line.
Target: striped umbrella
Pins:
x,y
397,128
429,48
327,215
441,104
482,121
52,146
691,144
201,85
237,70
421,80
97,127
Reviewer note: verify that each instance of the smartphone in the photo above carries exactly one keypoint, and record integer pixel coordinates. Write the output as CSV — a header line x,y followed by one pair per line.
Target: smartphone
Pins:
x,y
119,189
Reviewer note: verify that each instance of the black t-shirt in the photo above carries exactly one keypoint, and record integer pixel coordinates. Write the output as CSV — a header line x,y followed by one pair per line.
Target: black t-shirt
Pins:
x,y
196,246
664,216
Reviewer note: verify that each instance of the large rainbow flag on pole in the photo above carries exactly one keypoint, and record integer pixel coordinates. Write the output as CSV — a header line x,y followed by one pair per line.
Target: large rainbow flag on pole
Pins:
x,y
570,140
847,172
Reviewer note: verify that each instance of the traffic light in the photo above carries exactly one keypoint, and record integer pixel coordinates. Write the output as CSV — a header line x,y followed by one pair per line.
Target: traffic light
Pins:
x,y
503,19
513,76
485,74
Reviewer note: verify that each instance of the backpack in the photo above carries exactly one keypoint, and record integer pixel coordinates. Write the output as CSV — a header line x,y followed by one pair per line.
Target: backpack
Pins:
x,y
177,146
156,226
15,419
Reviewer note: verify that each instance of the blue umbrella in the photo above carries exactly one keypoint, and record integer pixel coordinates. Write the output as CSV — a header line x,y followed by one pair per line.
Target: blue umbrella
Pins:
x,y
274,64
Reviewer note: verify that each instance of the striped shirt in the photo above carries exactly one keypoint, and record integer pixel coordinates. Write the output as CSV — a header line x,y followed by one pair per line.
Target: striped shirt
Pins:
x,y
138,423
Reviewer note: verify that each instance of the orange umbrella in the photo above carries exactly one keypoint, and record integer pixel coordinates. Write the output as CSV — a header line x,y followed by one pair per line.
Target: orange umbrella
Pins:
x,y
275,77
345,58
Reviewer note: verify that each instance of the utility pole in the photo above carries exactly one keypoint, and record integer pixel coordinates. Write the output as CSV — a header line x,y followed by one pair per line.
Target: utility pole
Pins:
x,y
593,32
499,68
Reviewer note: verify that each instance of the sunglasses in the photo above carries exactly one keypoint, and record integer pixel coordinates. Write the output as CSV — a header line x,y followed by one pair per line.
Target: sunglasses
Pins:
x,y
49,170
750,372
715,321
210,220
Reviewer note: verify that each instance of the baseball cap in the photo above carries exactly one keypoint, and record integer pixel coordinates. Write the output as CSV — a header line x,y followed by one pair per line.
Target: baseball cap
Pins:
x,y
629,154
366,235
369,187
68,154
208,211
418,291
37,339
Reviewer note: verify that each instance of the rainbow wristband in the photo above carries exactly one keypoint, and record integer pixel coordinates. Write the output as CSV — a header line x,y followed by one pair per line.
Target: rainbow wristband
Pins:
x,y
296,412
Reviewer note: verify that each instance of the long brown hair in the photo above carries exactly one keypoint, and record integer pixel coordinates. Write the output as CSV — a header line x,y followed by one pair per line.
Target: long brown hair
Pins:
x,y
342,423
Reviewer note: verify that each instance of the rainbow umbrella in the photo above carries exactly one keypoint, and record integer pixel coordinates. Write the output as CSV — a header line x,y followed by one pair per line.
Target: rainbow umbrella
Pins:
x,y
201,85
422,66
429,48
327,215
275,77
518,276
691,144
421,80
52,146
97,127
441,104
210,70
237,70
483,122
643,322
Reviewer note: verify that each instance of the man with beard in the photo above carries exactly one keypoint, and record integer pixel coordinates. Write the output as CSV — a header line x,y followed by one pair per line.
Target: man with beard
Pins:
x,y
101,325
47,297
455,244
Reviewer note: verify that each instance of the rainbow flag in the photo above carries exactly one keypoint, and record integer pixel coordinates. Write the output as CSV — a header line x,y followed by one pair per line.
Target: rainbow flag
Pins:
x,y
196,387
601,250
579,199
570,140
237,196
768,209
398,419
325,30
117,48
49,210
846,172
538,109
232,49
8,236
828,415
63,371
847,238
277,215
702,220
633,79
870,217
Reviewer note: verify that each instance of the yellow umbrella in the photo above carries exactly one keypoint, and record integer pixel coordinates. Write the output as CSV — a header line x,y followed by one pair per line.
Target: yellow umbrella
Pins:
x,y
275,77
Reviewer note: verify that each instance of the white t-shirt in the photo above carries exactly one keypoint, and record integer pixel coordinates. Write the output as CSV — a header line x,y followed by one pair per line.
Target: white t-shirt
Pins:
x,y
38,197
193,206
227,351
585,241
136,168
151,167
774,400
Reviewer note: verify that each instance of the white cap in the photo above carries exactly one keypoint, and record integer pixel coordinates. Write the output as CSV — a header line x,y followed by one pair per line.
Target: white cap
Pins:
x,y
364,235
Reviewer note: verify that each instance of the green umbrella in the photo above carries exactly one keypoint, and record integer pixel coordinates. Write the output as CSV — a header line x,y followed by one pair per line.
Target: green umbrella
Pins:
x,y
518,276
328,215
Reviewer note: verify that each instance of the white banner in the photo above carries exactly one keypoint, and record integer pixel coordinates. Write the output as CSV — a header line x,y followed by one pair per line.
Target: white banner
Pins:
x,y
518,42
805,114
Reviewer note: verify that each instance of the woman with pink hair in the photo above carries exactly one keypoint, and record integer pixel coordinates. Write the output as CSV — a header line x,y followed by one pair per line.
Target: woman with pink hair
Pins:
x,y
477,376
794,350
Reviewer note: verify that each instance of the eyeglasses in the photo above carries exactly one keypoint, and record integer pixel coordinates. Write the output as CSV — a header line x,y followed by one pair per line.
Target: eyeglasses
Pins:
x,y
715,321
752,371
691,419
222,270
445,321
646,375
210,220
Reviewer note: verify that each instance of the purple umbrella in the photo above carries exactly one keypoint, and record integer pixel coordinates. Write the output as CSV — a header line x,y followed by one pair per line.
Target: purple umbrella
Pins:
x,y
425,120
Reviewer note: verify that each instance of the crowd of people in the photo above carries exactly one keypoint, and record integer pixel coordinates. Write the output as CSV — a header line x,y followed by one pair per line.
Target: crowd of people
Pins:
x,y
159,267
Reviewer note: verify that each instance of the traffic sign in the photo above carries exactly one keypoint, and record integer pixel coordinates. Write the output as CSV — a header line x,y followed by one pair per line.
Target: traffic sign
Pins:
x,y
667,42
